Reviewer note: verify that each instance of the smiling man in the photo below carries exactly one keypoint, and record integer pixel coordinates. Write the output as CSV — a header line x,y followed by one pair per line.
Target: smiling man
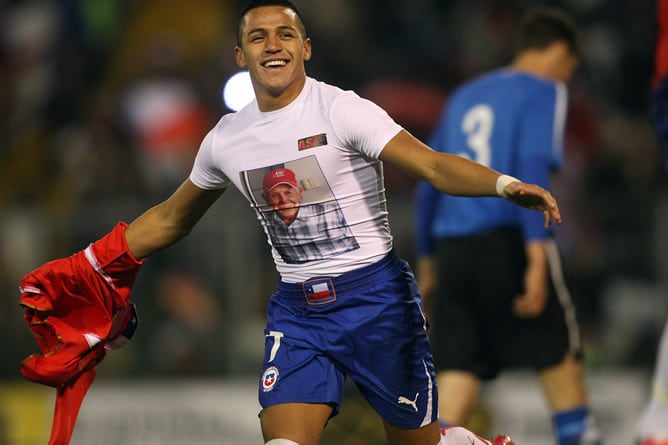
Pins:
x,y
275,48
354,312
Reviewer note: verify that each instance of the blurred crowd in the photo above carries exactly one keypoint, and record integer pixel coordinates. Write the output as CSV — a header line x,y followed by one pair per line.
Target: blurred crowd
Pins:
x,y
104,103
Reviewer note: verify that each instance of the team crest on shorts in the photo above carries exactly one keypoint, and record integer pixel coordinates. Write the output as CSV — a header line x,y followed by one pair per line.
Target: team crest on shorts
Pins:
x,y
269,378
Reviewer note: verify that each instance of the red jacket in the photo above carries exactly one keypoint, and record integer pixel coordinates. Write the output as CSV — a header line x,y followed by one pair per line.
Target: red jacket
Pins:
x,y
78,308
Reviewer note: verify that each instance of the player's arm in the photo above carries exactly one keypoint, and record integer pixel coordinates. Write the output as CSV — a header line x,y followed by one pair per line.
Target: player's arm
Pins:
x,y
170,220
532,301
426,201
456,175
541,133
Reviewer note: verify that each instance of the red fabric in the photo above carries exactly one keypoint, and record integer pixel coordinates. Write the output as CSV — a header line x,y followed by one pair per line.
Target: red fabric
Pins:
x,y
68,402
661,50
69,305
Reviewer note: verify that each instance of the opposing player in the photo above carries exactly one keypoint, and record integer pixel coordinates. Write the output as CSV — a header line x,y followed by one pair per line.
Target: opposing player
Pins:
x,y
356,313
499,299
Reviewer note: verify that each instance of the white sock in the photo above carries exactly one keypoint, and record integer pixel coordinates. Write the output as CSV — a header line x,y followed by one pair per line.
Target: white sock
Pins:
x,y
652,422
281,442
457,435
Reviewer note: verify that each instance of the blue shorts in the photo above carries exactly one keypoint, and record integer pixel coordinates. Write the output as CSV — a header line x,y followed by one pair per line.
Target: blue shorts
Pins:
x,y
368,324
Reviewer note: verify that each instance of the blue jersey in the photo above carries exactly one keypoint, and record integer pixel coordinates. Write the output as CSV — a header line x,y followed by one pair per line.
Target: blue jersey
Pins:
x,y
510,121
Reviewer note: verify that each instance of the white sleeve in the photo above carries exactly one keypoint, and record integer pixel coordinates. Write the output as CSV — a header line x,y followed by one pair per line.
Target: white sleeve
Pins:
x,y
362,124
205,174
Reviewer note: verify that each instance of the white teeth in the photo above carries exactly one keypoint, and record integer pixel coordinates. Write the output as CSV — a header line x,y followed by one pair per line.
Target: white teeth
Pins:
x,y
275,63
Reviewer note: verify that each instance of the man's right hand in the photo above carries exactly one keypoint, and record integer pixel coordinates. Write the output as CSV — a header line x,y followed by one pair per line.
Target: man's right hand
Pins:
x,y
532,302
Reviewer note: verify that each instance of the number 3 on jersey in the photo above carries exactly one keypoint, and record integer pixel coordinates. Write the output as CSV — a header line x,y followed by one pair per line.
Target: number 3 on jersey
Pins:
x,y
477,124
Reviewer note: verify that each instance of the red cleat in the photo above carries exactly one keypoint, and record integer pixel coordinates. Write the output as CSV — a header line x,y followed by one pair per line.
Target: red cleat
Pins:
x,y
502,440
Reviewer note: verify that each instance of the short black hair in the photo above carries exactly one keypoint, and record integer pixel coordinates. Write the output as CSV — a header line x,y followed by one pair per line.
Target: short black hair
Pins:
x,y
252,4
542,26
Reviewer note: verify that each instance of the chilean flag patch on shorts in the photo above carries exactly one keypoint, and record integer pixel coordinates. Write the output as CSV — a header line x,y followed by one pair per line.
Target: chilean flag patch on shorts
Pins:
x,y
319,291
269,378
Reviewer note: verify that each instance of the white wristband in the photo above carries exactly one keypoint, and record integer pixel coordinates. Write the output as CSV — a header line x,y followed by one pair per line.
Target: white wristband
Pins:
x,y
501,183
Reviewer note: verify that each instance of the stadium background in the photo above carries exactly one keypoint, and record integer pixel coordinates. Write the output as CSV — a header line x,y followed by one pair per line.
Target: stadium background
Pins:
x,y
105,101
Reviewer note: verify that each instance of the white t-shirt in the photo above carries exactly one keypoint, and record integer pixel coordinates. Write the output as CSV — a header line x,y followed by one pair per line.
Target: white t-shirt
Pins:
x,y
331,140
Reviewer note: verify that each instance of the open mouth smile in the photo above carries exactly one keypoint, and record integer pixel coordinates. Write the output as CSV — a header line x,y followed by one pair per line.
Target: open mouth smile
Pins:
x,y
274,63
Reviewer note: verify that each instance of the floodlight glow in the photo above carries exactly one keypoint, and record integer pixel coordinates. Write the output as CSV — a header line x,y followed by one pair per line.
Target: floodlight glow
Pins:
x,y
238,91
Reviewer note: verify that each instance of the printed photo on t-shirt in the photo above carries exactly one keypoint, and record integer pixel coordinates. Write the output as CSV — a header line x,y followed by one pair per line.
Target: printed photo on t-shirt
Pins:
x,y
299,211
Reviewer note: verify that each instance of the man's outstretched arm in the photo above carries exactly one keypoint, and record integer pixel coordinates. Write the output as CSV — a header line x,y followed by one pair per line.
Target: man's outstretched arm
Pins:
x,y
456,175
169,221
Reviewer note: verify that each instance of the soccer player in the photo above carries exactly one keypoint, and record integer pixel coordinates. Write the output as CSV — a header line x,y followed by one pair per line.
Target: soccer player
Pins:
x,y
653,424
356,313
491,270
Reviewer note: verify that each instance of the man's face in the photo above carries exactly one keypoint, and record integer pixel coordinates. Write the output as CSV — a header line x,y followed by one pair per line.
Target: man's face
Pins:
x,y
285,199
274,50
